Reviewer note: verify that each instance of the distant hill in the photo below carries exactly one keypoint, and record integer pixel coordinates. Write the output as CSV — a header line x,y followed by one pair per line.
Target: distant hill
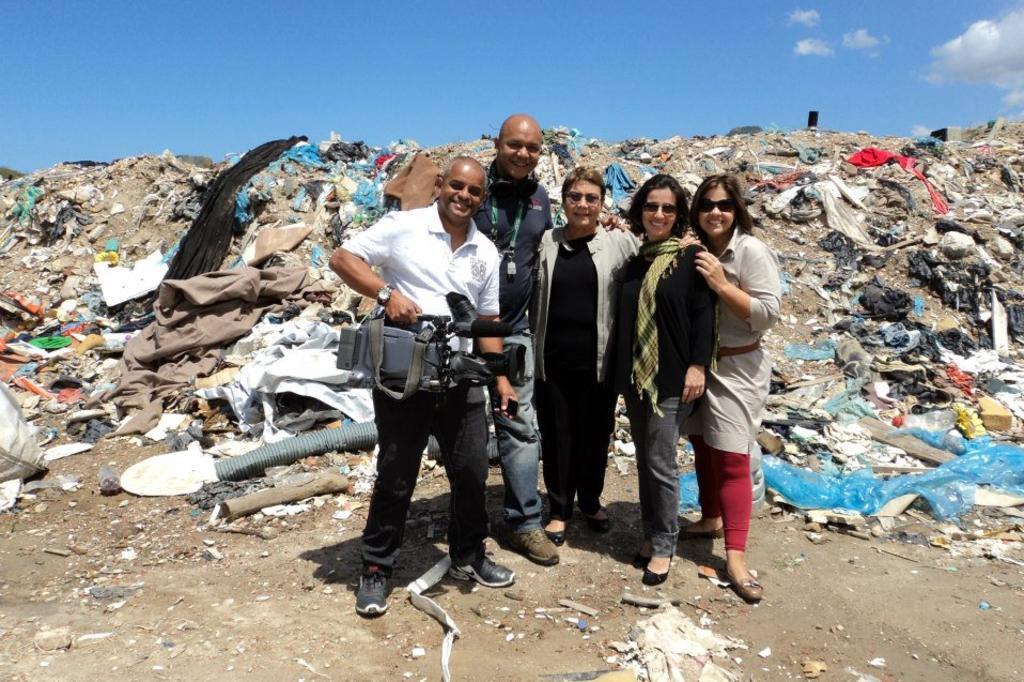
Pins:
x,y
9,173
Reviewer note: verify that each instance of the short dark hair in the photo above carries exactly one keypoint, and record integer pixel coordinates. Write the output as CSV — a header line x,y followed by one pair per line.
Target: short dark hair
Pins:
x,y
636,207
582,174
732,186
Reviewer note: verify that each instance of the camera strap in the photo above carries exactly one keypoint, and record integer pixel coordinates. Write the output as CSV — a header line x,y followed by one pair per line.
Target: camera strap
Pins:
x,y
375,329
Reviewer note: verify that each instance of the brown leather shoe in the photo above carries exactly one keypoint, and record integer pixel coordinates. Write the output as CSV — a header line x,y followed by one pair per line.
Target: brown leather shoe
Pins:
x,y
535,546
749,590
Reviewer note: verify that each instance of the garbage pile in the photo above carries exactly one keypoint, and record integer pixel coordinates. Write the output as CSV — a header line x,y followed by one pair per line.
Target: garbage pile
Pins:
x,y
155,286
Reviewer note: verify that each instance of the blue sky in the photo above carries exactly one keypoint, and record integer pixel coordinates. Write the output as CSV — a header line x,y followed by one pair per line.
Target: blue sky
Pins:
x,y
101,80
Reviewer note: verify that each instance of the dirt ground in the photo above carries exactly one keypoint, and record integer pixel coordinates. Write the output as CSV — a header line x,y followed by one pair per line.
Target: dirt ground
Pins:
x,y
283,608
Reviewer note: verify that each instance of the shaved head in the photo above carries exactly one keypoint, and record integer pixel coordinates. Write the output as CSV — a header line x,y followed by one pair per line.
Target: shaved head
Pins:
x,y
519,123
518,147
460,162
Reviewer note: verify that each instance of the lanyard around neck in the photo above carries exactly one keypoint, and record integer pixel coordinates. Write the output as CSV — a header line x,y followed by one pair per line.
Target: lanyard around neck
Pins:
x,y
516,222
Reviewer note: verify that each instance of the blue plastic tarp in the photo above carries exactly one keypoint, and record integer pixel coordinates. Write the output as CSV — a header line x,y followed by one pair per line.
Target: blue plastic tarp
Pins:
x,y
949,489
616,180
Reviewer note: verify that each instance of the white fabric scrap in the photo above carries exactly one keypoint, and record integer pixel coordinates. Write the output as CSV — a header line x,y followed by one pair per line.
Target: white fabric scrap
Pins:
x,y
285,509
168,422
841,217
9,493
66,450
430,607
298,357
985,360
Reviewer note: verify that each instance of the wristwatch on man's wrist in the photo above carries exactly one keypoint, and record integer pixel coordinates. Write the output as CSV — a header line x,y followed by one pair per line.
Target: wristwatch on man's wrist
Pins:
x,y
384,295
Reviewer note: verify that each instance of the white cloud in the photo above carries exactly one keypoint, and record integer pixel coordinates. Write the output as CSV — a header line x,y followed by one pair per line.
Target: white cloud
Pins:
x,y
1014,98
806,17
989,51
920,131
812,46
861,39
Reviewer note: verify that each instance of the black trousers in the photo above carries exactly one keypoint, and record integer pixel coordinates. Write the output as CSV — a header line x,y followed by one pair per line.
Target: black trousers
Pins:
x,y
576,414
457,420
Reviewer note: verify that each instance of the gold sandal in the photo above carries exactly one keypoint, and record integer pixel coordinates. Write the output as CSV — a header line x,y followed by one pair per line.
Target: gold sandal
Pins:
x,y
749,590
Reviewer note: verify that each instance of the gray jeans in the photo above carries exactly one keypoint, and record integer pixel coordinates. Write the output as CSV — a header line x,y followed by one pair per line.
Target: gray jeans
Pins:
x,y
656,438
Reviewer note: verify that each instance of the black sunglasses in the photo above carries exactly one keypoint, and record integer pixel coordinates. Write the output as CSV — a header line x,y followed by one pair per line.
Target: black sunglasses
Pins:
x,y
723,205
652,207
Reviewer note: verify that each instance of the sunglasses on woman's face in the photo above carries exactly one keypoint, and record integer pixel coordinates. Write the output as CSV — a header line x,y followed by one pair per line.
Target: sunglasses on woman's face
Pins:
x,y
652,207
723,205
579,197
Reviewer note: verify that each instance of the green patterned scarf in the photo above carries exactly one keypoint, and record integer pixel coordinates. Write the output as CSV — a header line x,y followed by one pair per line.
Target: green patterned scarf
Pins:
x,y
645,342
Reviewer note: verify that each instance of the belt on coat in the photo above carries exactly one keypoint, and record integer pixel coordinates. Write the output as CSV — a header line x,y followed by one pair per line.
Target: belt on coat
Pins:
x,y
726,351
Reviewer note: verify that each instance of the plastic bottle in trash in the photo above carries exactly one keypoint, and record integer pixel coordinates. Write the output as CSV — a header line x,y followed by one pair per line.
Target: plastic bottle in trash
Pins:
x,y
936,420
110,480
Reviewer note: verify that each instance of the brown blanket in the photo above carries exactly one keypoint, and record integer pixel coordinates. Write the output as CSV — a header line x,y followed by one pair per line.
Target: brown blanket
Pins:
x,y
195,319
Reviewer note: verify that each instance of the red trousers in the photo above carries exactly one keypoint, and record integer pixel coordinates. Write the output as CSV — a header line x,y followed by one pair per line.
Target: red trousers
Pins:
x,y
726,491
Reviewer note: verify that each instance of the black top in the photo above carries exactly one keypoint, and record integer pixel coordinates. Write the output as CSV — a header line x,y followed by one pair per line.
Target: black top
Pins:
x,y
514,295
684,313
571,337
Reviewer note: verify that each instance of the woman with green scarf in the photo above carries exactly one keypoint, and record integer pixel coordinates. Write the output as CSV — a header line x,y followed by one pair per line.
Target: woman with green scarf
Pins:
x,y
664,342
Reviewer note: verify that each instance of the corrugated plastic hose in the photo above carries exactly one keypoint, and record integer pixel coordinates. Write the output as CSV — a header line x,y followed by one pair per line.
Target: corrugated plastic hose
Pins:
x,y
358,436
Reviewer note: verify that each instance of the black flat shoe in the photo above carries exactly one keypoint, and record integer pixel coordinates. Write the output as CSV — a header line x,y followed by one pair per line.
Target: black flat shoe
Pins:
x,y
599,525
558,538
651,578
640,561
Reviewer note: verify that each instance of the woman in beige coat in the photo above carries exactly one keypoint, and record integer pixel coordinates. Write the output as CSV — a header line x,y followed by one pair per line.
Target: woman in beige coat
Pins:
x,y
744,274
574,308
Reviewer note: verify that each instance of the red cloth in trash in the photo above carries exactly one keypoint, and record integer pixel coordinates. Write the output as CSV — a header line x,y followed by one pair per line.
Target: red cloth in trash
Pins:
x,y
869,157
962,380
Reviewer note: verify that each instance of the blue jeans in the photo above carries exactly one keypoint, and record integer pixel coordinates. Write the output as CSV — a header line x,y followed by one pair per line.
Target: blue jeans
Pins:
x,y
519,450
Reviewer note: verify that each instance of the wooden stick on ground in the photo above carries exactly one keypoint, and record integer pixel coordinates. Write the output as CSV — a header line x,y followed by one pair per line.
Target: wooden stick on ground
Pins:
x,y
324,484
915,448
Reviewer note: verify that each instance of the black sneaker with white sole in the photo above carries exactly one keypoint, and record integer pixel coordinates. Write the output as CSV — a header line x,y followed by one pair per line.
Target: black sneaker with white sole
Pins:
x,y
372,597
485,572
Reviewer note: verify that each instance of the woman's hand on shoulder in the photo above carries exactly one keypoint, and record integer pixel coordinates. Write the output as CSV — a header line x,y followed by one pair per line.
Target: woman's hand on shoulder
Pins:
x,y
689,239
710,267
613,223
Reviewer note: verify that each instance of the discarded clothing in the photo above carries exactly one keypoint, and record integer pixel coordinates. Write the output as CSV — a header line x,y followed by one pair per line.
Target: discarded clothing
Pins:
x,y
840,246
899,338
885,303
194,319
870,157
414,186
299,358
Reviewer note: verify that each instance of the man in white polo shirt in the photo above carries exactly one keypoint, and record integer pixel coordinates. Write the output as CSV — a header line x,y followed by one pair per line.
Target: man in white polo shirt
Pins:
x,y
422,255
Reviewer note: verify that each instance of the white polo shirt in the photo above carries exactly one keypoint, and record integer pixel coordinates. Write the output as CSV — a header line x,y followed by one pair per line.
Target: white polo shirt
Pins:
x,y
414,255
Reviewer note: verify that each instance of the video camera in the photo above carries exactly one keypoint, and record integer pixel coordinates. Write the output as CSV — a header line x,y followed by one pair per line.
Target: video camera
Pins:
x,y
401,361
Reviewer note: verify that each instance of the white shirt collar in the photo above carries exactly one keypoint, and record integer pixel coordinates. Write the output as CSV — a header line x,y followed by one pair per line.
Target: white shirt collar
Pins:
x,y
434,225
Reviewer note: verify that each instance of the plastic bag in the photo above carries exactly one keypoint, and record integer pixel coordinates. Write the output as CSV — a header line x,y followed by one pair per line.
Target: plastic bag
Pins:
x,y
822,350
948,489
20,457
